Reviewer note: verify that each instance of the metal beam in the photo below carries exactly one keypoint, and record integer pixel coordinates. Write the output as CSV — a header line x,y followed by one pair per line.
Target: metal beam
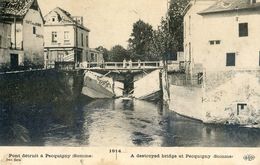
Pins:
x,y
106,74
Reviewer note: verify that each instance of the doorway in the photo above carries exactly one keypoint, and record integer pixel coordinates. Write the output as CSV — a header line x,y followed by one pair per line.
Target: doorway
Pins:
x,y
14,61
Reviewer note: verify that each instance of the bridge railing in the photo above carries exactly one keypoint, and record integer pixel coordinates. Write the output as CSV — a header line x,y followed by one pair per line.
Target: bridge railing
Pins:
x,y
110,65
121,65
172,65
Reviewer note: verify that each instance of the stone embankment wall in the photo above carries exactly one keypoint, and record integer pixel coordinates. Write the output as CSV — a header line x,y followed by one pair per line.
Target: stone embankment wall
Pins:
x,y
226,97
41,86
233,97
32,102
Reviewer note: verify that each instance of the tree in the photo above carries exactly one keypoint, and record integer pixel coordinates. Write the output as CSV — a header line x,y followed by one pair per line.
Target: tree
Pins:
x,y
168,38
174,23
139,43
159,44
118,53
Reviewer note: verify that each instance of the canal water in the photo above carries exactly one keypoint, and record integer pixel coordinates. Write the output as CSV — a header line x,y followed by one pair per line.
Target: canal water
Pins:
x,y
113,122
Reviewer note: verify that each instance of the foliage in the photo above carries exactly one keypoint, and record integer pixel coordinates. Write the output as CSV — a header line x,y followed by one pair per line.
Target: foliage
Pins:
x,y
175,26
168,38
139,43
160,43
118,53
147,44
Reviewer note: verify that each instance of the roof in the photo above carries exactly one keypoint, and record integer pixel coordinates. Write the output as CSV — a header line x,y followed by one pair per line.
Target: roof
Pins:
x,y
94,50
230,5
188,6
64,18
15,7
193,2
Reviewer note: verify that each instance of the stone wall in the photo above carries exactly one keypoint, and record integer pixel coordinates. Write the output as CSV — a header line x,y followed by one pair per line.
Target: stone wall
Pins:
x,y
226,97
29,99
41,86
227,91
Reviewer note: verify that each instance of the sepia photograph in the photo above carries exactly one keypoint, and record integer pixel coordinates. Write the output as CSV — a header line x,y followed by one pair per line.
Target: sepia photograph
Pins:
x,y
130,73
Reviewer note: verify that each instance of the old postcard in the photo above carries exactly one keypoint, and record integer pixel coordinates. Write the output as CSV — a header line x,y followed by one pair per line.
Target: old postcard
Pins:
x,y
129,82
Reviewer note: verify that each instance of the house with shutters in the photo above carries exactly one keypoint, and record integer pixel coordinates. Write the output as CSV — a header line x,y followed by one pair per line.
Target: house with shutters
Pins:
x,y
66,38
221,83
21,34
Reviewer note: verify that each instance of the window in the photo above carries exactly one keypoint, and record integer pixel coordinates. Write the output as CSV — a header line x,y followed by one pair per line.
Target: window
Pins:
x,y
66,37
92,56
82,39
253,1
241,107
214,42
200,78
184,29
54,37
211,42
53,19
86,41
34,30
0,41
243,29
173,56
231,59
217,42
60,56
86,56
189,25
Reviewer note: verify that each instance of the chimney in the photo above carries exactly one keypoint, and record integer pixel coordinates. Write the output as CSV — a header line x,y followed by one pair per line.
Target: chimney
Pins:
x,y
78,19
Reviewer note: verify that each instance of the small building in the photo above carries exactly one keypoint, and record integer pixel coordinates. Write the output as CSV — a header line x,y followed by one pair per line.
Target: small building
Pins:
x,y
21,34
95,56
66,38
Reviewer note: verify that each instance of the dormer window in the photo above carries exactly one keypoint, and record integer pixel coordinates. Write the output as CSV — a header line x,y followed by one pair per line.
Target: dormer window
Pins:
x,y
53,19
225,4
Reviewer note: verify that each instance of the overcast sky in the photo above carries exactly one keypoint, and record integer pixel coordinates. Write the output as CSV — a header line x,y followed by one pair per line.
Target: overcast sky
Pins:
x,y
110,21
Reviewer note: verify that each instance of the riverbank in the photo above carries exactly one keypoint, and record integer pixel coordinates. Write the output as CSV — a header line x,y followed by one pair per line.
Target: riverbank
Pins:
x,y
32,101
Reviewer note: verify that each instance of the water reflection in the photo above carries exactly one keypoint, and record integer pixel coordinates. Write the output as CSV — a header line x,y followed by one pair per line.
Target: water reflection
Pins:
x,y
109,122
181,131
123,122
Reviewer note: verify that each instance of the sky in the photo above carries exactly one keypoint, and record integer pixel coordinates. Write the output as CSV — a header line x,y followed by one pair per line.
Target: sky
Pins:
x,y
110,21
